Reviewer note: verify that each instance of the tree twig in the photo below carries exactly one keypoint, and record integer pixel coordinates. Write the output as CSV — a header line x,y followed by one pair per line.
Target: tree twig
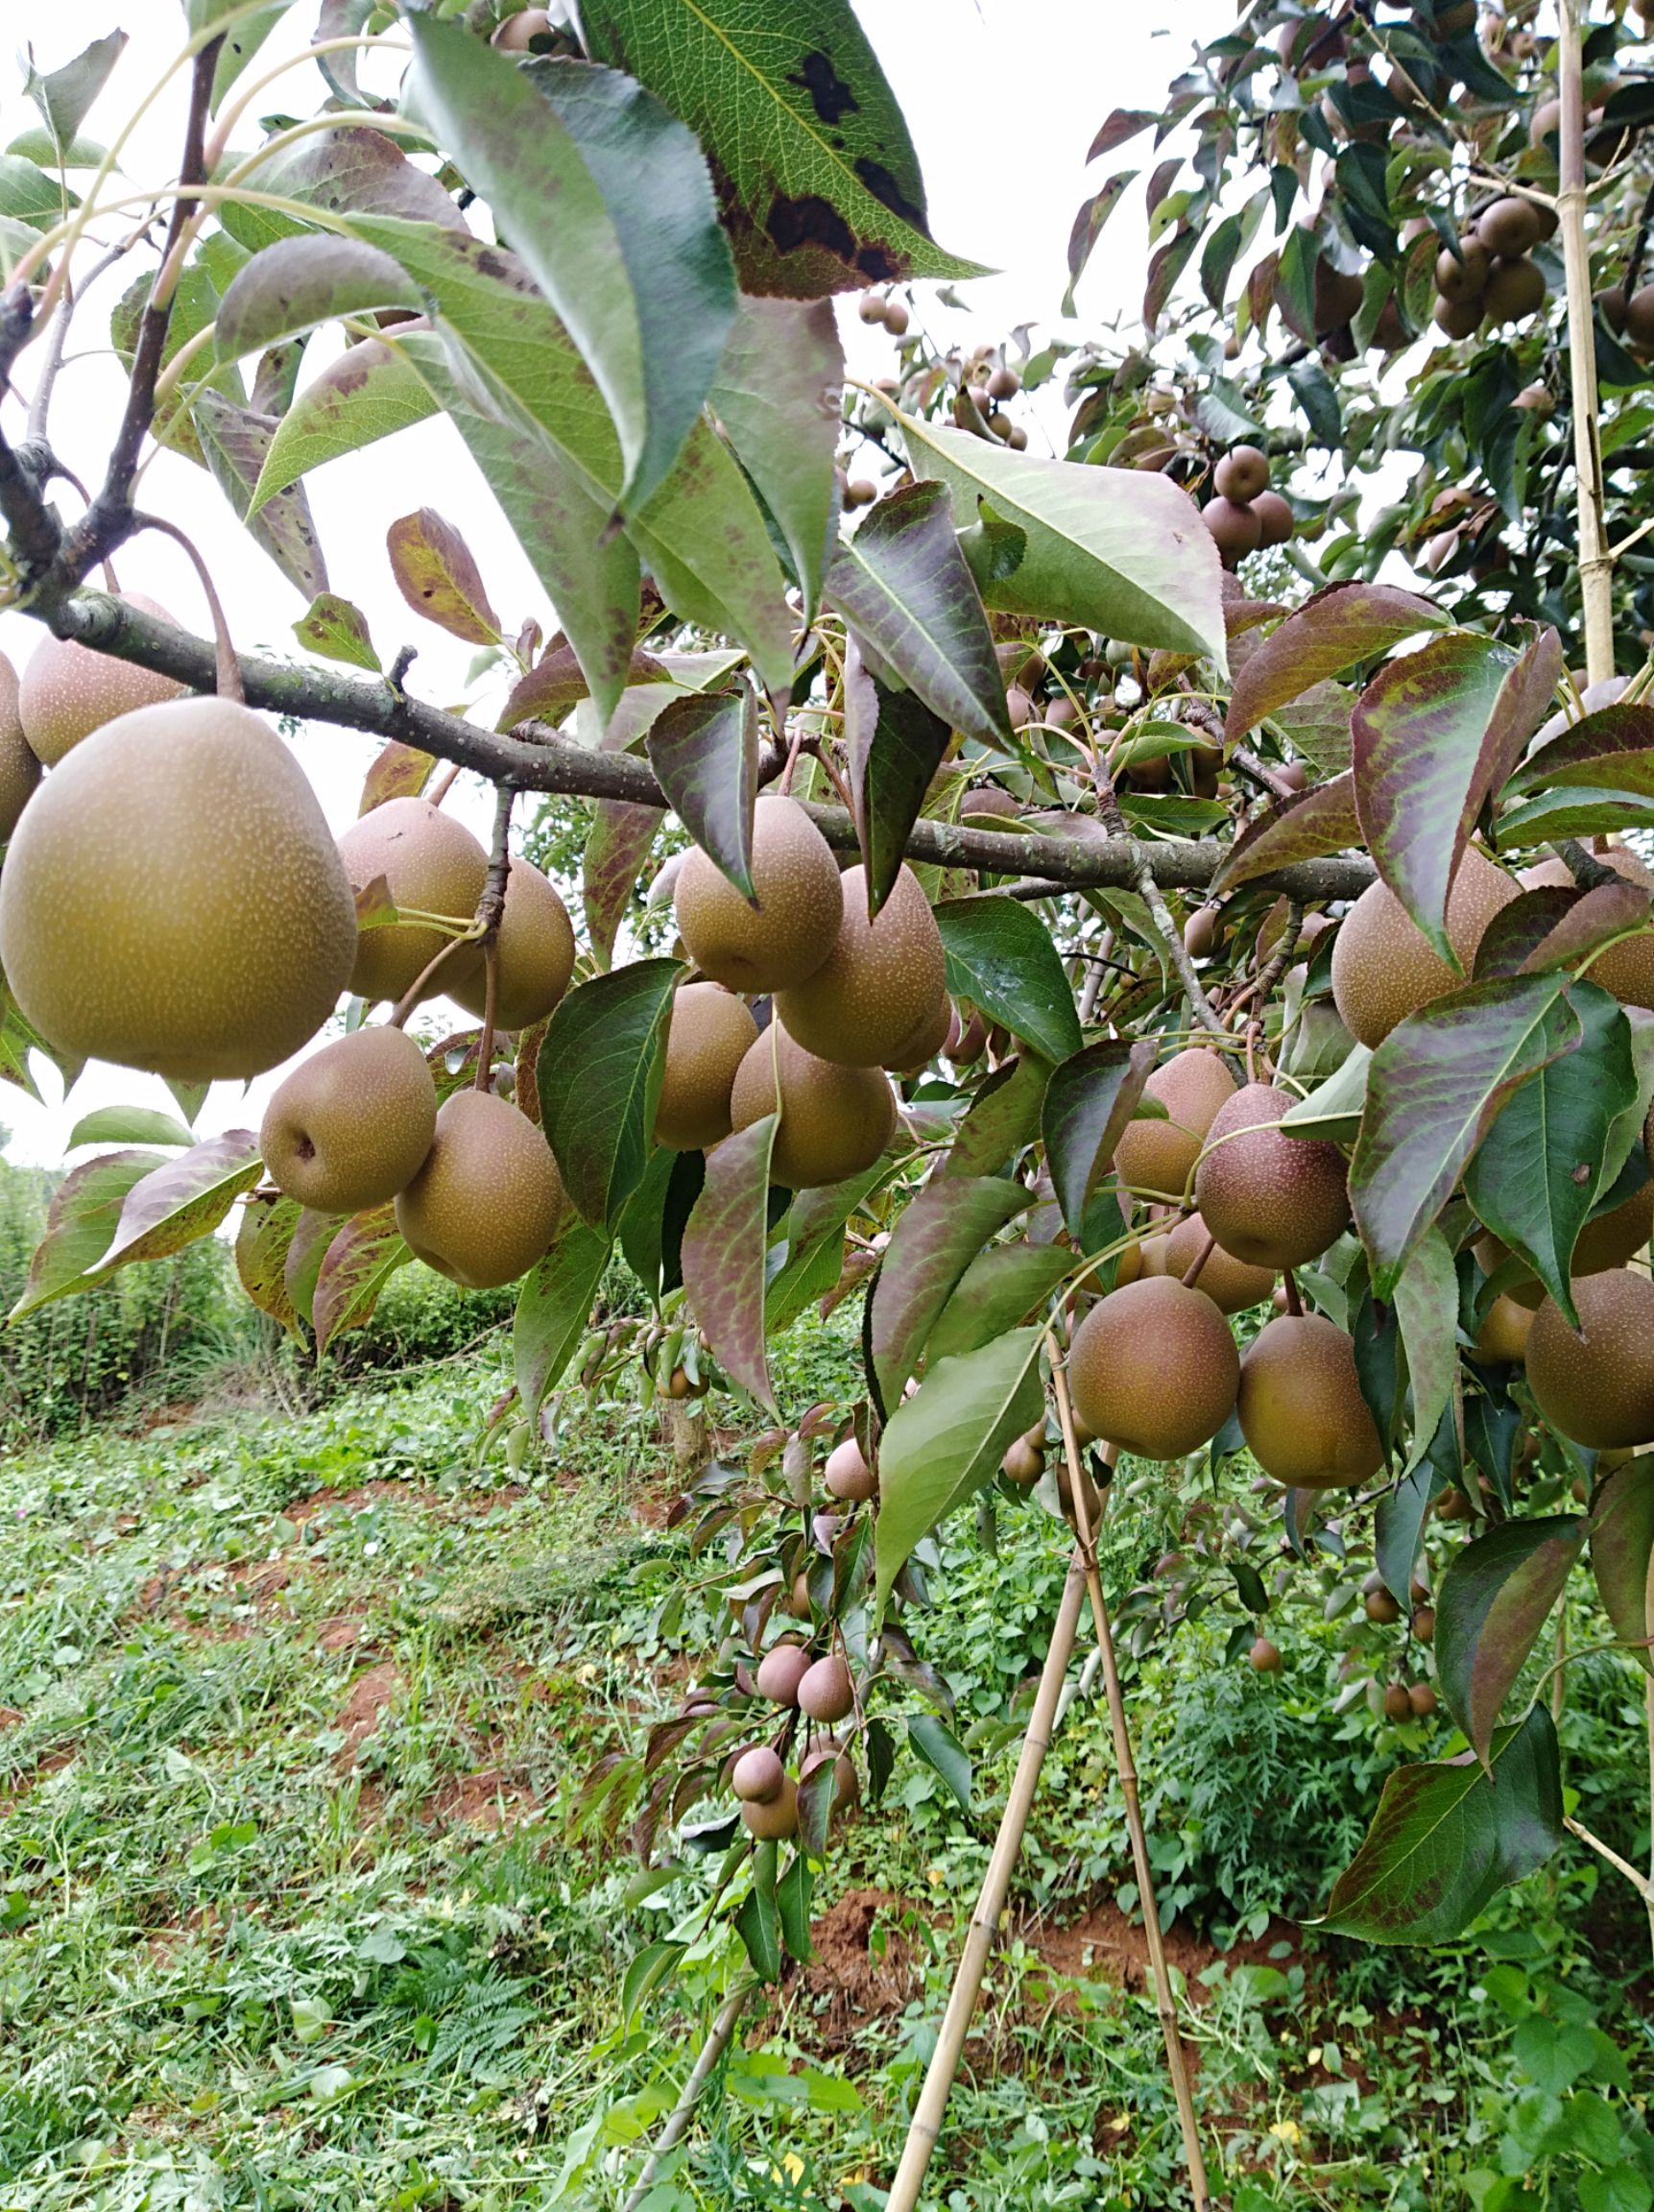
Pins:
x,y
1596,563
1638,1880
491,907
683,2111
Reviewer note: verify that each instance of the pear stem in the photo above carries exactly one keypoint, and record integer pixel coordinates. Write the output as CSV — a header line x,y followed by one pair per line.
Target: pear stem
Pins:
x,y
1191,1274
1595,561
1294,1304
491,907
229,668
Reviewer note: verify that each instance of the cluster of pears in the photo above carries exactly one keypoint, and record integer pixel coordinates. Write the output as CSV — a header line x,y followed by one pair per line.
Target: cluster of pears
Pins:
x,y
1491,276
852,997
822,1690
1153,1367
1245,513
879,304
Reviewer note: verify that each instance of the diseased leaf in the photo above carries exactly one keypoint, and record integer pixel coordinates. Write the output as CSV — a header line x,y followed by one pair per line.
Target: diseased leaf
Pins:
x,y
704,750
556,683
902,584
1422,767
370,392
894,745
1622,1555
80,1224
776,394
1088,1100
354,170
553,1312
263,1240
355,1267
1317,822
1433,1088
1112,549
298,282
1330,632
312,1235
1495,1598
1001,957
237,444
599,1080
1535,1176
183,1199
1447,1838
616,847
935,1238
338,631
399,772
1524,702
724,1243
437,574
946,1440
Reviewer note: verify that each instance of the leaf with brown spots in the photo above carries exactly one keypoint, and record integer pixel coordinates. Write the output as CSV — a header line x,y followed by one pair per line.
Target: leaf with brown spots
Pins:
x,y
355,1267
263,1240
438,576
399,772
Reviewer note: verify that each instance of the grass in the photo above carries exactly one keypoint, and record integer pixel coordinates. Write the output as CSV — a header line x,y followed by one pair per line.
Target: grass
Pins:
x,y
296,1907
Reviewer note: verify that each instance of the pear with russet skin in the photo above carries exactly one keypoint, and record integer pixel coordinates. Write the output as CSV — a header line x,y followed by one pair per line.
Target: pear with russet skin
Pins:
x,y
489,1199
69,690
19,764
535,952
430,864
789,930
711,1033
880,983
354,1124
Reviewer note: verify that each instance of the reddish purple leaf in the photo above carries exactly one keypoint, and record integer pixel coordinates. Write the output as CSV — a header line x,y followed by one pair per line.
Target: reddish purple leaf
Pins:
x,y
1334,631
1495,1596
933,1242
1308,827
1520,928
1089,1099
1622,1555
184,1199
1125,123
616,846
724,1251
1421,735
1594,918
312,1235
558,683
1524,702
80,1222
704,750
1088,227
437,574
1612,749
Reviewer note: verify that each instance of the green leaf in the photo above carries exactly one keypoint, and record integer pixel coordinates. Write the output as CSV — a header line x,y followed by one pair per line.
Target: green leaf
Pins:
x,y
1001,1119
599,1077
28,195
355,1267
814,1233
80,1222
336,630
235,443
894,745
312,1234
354,170
437,574
820,185
1333,1110
1000,1288
704,750
263,1240
1112,549
947,1440
1447,1838
902,584
1306,828
935,1238
65,95
553,1308
298,283
942,1752
1495,1598
1612,749
1330,632
757,1923
1000,957
1575,811
1622,1555
1088,1100
793,1899
632,262
724,1246
373,391
1427,1298
183,1199
658,195
1422,767
1537,1172
1433,1088
128,1125
776,394
645,1973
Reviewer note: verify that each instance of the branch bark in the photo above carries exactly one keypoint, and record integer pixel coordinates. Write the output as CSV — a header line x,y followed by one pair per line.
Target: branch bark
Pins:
x,y
1596,563
544,762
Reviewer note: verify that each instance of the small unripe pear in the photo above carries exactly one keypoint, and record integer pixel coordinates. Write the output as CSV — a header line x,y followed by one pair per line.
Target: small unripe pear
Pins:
x,y
517,32
1265,1656
1421,1697
848,1476
1023,1463
1243,474
826,1692
1382,1607
780,1672
1398,1705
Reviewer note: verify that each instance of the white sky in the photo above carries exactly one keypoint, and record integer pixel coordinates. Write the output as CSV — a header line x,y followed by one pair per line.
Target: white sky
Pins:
x,y
1002,97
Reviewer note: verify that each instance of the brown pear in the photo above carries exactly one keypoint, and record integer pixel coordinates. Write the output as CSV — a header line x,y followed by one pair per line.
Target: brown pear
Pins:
x,y
1510,226
19,764
1606,1242
1515,290
1159,1156
848,1476
773,1821
1275,516
1625,969
1235,530
517,32
1383,965
69,690
780,1671
1463,275
354,1124
1502,1336
173,899
535,950
430,864
919,1050
1153,1368
881,980
799,902
1272,1200
758,1776
1229,1283
826,1692
489,1199
1241,474
1597,1387
1300,1407
835,1121
712,1031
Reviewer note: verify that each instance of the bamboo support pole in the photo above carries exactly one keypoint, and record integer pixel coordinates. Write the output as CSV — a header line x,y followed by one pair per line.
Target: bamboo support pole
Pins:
x,y
926,2123
1166,2004
1595,561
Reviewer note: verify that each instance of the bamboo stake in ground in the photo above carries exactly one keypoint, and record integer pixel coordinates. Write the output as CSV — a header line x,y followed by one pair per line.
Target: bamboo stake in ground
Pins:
x,y
926,2122
1124,1760
1596,563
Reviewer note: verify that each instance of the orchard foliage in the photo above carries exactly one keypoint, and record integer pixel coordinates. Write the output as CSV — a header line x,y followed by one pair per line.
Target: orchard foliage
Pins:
x,y
1139,794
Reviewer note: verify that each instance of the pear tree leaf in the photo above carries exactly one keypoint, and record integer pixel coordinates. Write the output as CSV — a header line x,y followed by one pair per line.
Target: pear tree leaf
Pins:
x,y
1494,1599
935,1238
724,1255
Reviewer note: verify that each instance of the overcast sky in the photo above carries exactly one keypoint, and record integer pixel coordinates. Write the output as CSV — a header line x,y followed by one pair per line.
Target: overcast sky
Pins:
x,y
1003,98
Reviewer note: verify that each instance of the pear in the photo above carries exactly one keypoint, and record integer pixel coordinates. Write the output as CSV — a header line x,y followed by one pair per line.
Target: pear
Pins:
x,y
1383,965
848,1476
1159,1156
826,1692
780,1671
758,1777
489,1199
1229,1283
19,765
69,690
835,1122
1597,1387
1271,1200
777,1819
354,1124
711,1033
1626,969
880,981
921,1048
429,863
791,930
173,899
1153,1368
1300,1407
1503,1338
534,950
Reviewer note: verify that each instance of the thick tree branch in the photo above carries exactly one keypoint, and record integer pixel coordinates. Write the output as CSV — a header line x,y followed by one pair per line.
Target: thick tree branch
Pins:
x,y
547,763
